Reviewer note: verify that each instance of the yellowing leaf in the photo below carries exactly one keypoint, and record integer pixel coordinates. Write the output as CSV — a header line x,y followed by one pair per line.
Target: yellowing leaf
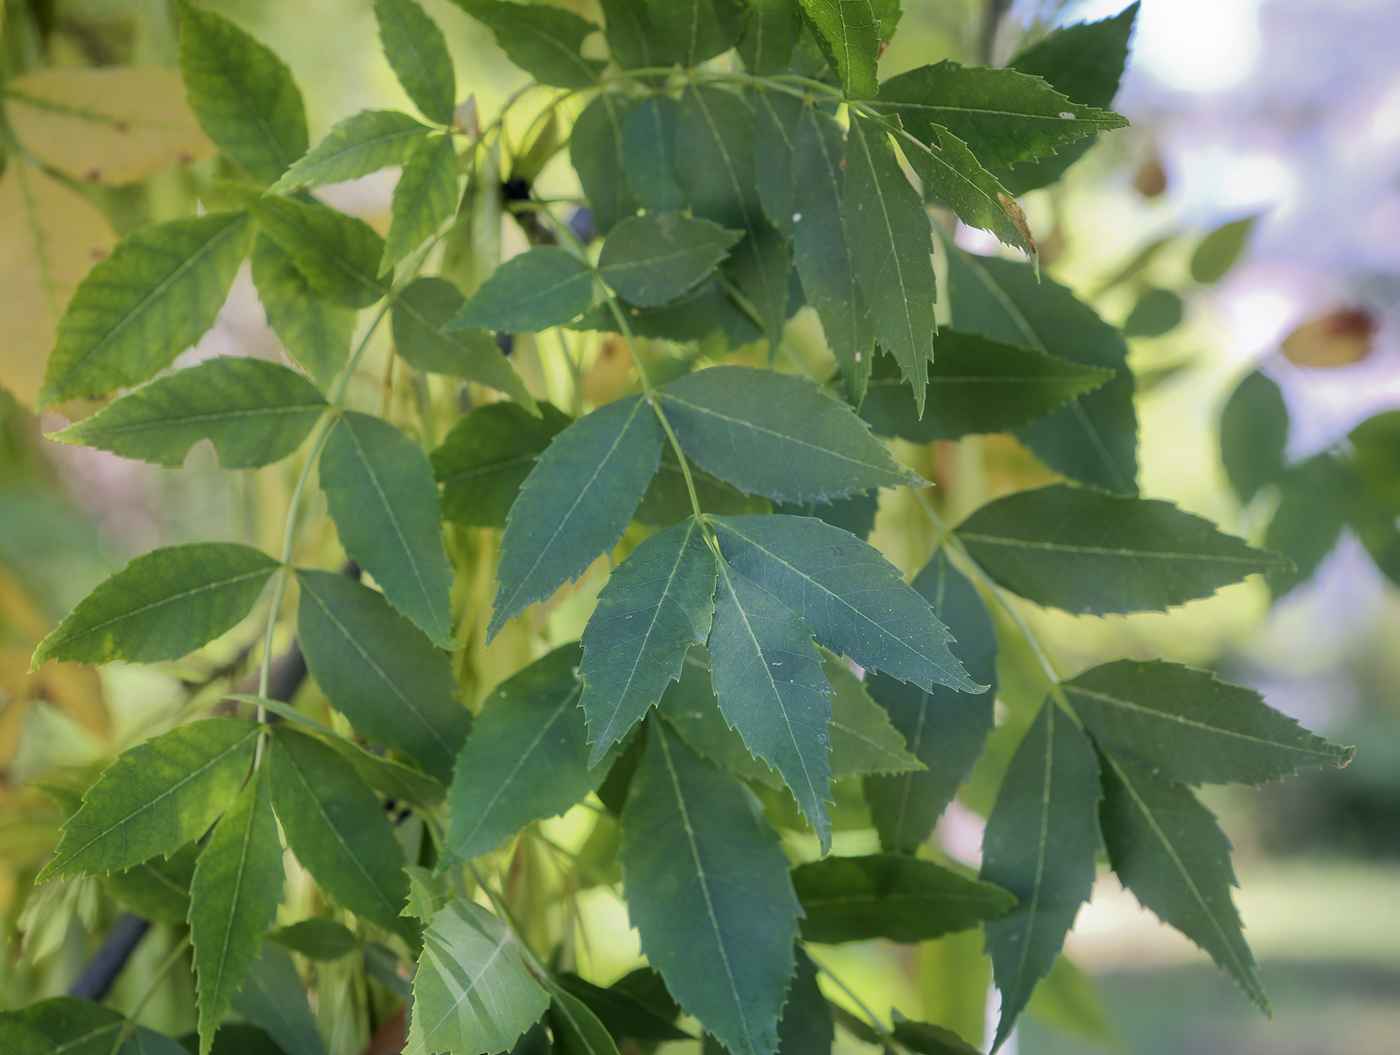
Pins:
x,y
113,125
49,237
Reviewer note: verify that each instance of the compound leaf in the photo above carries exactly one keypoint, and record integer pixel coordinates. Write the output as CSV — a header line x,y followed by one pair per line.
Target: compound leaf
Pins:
x,y
486,457
417,53
538,289
315,332
424,197
543,40
849,33
356,146
652,260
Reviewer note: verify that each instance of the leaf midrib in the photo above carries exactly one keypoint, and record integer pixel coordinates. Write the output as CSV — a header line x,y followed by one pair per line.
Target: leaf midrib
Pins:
x,y
96,429
1108,551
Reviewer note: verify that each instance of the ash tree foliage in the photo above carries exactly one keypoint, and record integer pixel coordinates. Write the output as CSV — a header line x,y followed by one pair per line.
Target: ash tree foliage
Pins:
x,y
755,672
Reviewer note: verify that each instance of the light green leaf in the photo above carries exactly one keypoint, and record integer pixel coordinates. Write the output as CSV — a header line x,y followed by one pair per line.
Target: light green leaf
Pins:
x,y
158,889
538,289
472,990
379,670
337,828
852,598
65,1025
356,146
242,94
649,154
862,739
1191,728
381,494
690,707
652,260
274,998
891,896
892,256
315,332
849,34
776,435
233,900
768,678
156,797
1219,251
424,198
163,605
255,413
770,36
485,458
657,603
576,502
1040,844
596,151
543,40
1169,851
708,888
692,31
419,314
976,384
950,171
576,1029
1088,552
417,52
156,295
527,758
1253,435
317,939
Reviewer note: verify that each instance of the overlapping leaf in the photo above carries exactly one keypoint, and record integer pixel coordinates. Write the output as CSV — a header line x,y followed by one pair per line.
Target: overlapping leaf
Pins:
x,y
356,146
424,198
649,154
596,150
315,332
542,39
770,35
862,739
538,289
417,51
849,33
275,998
950,171
486,457
652,260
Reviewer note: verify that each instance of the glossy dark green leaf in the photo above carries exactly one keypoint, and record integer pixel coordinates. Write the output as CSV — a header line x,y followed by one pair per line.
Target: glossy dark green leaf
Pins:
x,y
1169,851
597,151
891,896
242,94
381,494
1156,312
1088,552
317,938
233,900
274,997
158,889
1220,250
485,458
156,797
692,31
255,413
943,728
649,154
420,313
652,260
542,39
776,435
1253,435
538,289
576,1029
424,198
315,332
1040,843
708,889
622,1014
951,172
417,52
849,33
1094,438
379,670
162,605
576,502
337,828
862,739
156,295
770,35
356,146
1314,500
657,603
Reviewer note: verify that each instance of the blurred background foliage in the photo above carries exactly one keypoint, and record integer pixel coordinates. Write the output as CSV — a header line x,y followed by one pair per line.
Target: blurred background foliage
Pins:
x,y
1243,235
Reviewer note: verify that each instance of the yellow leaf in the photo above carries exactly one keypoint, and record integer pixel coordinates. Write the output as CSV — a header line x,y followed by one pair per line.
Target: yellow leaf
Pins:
x,y
112,125
49,237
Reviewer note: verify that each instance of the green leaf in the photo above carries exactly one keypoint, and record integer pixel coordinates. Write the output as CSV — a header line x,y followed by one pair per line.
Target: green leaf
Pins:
x,y
892,256
65,1025
381,494
1041,840
538,289
424,198
379,670
923,1038
1169,851
1003,115
1314,500
667,499
1088,552
485,458
943,728
807,1026
852,598
1220,250
695,30
337,828
822,247
855,514
156,797
315,332
776,119
649,154
623,1014
420,313
976,384
770,36
955,977
543,40
596,149
1069,1001
417,52
652,260
1156,312
274,998
862,738
156,295
1253,435
472,990
317,939
356,146
255,413
656,604
576,1029
1192,729
1094,438
157,889
776,435
576,502
338,255
391,779
849,34
163,605
242,94
768,679
233,900
690,707
891,896
632,42
707,886
950,171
